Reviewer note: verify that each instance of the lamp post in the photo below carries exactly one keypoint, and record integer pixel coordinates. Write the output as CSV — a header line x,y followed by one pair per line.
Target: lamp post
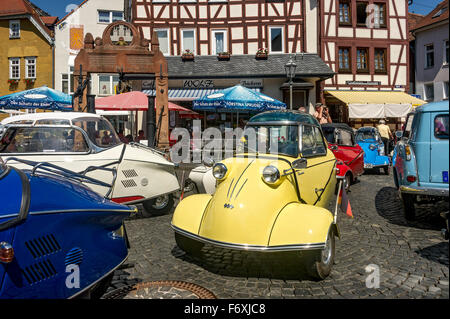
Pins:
x,y
290,67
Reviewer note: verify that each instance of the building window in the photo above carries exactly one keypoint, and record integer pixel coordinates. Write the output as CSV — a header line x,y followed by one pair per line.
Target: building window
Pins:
x,y
188,42
105,16
345,16
14,68
219,41
379,15
14,29
344,60
361,13
380,60
30,68
107,84
446,53
65,83
429,56
362,60
429,92
163,37
276,39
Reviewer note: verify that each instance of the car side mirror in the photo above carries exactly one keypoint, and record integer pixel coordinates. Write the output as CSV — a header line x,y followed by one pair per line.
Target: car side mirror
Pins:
x,y
301,163
334,147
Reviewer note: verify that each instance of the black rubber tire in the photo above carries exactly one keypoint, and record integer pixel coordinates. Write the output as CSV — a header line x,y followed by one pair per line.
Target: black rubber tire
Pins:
x,y
148,205
409,209
348,182
386,170
317,268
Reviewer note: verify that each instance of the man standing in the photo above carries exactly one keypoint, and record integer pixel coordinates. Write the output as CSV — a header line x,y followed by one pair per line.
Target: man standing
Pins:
x,y
322,115
386,135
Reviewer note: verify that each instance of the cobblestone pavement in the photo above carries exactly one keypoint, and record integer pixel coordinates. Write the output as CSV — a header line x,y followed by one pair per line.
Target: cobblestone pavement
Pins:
x,y
412,258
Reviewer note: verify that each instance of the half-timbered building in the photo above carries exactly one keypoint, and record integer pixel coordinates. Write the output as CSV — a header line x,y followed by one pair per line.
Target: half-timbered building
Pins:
x,y
367,44
226,36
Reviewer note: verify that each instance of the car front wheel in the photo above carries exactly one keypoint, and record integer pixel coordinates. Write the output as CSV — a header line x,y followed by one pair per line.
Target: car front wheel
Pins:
x,y
160,205
386,170
323,261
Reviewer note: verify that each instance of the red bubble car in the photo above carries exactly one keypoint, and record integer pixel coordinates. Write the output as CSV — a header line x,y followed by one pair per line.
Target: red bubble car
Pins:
x,y
350,156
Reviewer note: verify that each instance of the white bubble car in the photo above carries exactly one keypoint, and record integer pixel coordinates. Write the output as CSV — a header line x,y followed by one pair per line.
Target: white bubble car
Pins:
x,y
87,143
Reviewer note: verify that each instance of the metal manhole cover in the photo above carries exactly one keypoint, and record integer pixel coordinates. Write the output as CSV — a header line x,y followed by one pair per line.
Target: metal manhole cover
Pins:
x,y
161,290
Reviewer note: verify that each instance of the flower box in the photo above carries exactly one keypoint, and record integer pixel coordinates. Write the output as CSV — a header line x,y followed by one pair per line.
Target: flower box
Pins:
x,y
13,81
262,53
29,81
223,56
187,55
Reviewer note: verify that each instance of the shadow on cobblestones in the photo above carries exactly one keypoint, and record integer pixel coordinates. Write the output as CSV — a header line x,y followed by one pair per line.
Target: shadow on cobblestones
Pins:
x,y
437,253
234,263
389,206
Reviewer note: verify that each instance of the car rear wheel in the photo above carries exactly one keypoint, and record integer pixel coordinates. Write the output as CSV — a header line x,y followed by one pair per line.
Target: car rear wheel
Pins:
x,y
408,206
159,205
347,182
323,260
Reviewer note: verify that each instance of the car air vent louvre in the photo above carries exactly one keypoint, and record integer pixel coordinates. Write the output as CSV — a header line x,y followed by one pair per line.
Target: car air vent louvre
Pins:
x,y
74,257
128,183
130,173
43,246
38,272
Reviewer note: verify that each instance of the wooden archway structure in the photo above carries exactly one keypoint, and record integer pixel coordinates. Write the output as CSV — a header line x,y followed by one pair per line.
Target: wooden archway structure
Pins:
x,y
122,48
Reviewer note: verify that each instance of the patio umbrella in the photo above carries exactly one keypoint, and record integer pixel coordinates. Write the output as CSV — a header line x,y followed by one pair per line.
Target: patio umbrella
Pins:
x,y
38,98
238,98
133,101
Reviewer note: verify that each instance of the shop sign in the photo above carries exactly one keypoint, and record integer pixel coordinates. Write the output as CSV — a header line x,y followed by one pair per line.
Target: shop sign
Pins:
x,y
198,84
363,82
252,83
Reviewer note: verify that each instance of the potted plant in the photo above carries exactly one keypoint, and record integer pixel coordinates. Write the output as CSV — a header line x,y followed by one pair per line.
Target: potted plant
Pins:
x,y
13,81
29,81
223,55
187,55
262,53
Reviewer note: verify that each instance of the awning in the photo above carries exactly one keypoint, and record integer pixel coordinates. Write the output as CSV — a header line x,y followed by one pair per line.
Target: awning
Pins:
x,y
376,104
189,94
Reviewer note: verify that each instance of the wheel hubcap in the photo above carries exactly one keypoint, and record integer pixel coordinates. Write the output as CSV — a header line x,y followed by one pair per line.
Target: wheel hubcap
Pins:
x,y
161,202
326,252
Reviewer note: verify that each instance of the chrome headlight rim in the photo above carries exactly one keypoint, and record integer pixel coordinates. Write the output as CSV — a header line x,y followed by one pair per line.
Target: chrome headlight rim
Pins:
x,y
271,174
372,147
220,171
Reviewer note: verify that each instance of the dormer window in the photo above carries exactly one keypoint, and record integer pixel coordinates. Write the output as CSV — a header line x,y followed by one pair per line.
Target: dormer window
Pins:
x,y
14,29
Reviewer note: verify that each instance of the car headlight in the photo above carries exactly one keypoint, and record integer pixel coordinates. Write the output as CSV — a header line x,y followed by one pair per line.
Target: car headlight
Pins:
x,y
219,171
271,174
381,151
372,147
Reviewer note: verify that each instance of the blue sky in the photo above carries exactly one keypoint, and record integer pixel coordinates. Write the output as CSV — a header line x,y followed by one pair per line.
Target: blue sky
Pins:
x,y
58,8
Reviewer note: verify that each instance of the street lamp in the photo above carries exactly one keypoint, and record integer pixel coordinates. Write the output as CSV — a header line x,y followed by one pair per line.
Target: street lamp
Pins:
x,y
290,67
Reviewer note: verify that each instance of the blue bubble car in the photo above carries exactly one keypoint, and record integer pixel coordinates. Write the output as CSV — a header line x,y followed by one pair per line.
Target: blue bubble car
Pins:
x,y
374,156
58,238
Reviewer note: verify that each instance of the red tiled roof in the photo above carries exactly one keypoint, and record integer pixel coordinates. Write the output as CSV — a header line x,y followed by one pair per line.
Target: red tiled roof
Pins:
x,y
49,20
440,13
67,15
22,7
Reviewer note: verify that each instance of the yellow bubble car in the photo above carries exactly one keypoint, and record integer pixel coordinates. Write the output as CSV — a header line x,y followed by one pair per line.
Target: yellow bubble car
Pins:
x,y
271,198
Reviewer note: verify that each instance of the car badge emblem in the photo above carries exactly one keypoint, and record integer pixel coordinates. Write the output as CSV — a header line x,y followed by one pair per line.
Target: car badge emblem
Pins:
x,y
228,206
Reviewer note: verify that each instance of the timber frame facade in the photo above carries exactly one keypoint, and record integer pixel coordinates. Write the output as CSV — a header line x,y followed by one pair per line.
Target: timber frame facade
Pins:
x,y
246,23
344,38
